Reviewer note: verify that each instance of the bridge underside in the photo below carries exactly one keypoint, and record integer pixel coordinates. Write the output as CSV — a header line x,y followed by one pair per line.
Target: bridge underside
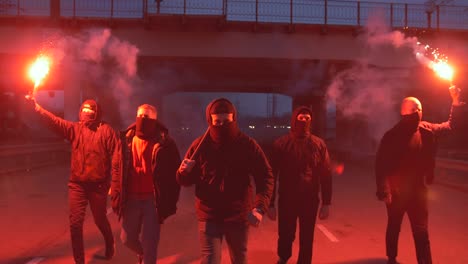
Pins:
x,y
197,74
257,75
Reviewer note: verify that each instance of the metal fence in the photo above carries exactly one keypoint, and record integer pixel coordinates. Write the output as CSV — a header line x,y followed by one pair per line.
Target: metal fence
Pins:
x,y
317,12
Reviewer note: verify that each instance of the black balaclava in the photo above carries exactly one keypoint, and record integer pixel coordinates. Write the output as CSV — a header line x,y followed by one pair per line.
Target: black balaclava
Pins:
x,y
228,130
146,122
146,128
410,122
90,113
411,114
300,128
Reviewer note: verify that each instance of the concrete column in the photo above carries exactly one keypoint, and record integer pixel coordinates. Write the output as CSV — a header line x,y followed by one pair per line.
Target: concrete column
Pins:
x,y
73,94
54,9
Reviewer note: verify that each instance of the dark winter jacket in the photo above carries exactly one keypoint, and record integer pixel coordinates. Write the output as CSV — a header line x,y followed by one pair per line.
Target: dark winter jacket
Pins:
x,y
165,161
96,150
302,167
399,171
222,178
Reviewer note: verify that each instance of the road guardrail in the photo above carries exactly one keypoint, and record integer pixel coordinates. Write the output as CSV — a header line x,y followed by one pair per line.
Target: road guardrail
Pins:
x,y
24,157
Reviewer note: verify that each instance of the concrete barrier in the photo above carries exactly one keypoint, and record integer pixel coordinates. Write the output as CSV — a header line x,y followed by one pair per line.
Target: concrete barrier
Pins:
x,y
452,164
450,172
25,157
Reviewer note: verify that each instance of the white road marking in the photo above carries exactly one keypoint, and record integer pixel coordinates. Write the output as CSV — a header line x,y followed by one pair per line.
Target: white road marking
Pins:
x,y
109,211
35,260
327,233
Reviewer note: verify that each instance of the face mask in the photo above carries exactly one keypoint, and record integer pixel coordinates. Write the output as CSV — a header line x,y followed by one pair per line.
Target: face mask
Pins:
x,y
146,128
224,133
302,128
87,118
410,122
88,113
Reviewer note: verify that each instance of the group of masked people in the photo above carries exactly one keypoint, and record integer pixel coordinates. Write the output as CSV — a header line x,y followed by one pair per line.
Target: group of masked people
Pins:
x,y
235,182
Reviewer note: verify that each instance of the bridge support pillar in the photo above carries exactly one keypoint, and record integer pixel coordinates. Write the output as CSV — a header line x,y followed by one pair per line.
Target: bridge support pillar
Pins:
x,y
72,100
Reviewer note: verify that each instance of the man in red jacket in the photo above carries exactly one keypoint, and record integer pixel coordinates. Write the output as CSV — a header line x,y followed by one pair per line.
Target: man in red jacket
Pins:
x,y
95,160
221,173
148,192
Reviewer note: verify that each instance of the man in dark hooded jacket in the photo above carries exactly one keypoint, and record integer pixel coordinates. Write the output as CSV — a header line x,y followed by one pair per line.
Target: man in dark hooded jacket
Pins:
x,y
148,192
404,166
95,160
301,164
221,169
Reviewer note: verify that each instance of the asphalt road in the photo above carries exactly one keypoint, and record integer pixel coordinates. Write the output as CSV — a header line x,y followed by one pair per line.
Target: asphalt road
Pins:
x,y
34,225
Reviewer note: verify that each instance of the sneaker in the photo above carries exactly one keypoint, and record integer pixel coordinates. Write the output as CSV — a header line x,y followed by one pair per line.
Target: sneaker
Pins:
x,y
392,261
110,251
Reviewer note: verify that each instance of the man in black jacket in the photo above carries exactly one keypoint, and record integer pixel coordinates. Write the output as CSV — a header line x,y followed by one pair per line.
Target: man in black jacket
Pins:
x,y
221,171
301,164
405,164
148,192
95,160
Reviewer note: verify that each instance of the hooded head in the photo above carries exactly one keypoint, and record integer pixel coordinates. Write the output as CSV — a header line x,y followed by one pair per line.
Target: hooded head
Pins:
x,y
146,121
90,113
411,113
221,116
301,121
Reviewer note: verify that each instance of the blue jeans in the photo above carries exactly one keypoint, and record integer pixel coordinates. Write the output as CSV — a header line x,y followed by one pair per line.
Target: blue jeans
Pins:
x,y
141,228
211,238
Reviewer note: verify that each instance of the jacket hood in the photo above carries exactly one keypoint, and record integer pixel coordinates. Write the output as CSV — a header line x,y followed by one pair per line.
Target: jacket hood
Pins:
x,y
92,104
217,101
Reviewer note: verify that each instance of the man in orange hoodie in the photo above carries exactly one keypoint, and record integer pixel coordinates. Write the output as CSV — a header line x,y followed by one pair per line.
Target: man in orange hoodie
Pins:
x,y
148,192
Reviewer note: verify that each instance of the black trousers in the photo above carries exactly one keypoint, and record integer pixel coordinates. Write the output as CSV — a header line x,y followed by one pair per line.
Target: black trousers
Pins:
x,y
288,214
415,205
79,195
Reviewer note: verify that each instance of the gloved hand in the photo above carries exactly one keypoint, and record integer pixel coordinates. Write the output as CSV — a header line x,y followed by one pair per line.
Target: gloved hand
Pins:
x,y
272,213
255,217
31,102
186,166
455,94
324,212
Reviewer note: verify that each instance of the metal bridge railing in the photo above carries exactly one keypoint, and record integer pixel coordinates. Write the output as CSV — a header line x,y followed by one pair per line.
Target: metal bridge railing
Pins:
x,y
316,12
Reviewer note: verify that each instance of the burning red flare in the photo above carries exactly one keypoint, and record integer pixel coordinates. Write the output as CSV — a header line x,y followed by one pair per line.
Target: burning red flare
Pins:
x,y
39,70
442,69
438,63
